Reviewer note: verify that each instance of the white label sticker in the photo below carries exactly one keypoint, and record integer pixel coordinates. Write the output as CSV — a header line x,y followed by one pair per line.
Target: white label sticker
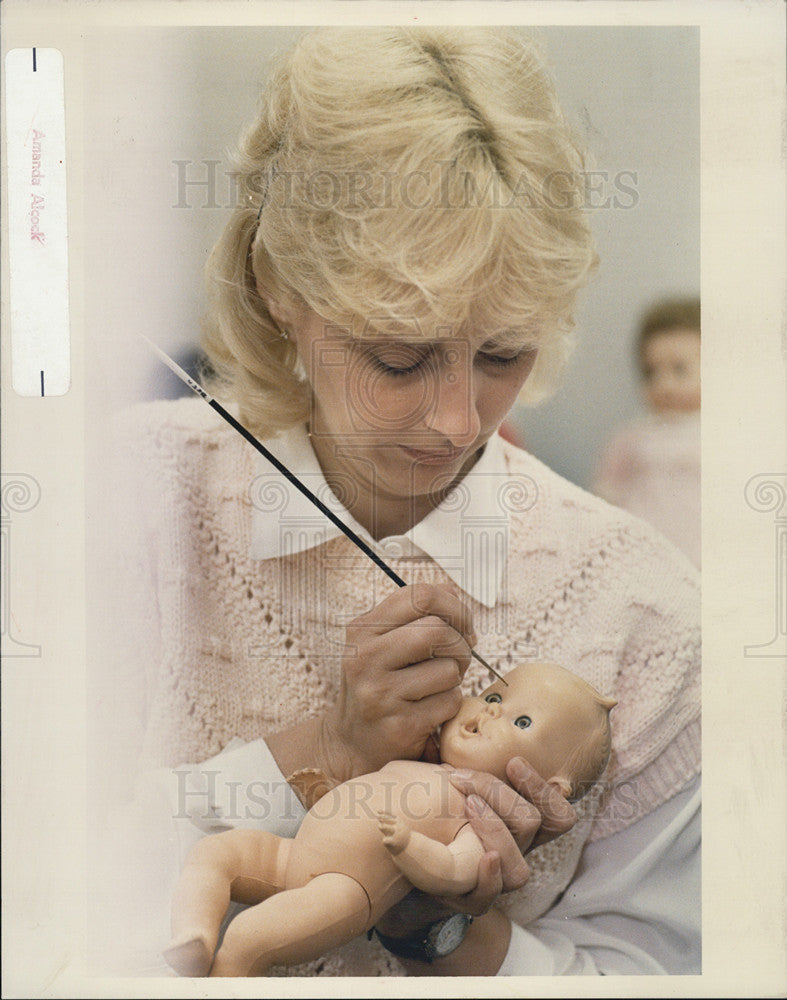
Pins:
x,y
37,223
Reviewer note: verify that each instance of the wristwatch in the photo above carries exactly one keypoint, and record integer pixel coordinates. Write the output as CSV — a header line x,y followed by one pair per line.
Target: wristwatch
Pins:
x,y
435,941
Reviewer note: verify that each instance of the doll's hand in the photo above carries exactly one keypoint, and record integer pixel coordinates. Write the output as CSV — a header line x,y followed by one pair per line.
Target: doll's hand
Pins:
x,y
396,833
403,663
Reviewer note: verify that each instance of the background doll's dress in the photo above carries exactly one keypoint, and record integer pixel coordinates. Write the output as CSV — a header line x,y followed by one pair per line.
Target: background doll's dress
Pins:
x,y
651,468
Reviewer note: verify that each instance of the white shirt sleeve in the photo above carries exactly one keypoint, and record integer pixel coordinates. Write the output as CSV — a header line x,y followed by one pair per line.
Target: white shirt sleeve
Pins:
x,y
634,905
241,787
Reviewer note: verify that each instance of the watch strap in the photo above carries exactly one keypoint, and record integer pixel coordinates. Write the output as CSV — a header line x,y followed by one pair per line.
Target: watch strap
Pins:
x,y
421,946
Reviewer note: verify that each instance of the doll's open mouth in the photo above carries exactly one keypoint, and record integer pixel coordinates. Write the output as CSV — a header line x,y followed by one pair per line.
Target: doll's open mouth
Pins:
x,y
470,729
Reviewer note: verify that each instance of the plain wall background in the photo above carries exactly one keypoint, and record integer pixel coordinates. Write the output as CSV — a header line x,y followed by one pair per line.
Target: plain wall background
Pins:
x,y
158,96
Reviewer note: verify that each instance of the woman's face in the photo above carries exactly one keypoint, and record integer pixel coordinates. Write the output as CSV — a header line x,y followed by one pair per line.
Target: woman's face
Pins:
x,y
405,418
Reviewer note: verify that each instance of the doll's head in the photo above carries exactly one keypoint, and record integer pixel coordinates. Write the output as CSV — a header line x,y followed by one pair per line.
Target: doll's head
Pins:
x,y
546,714
669,356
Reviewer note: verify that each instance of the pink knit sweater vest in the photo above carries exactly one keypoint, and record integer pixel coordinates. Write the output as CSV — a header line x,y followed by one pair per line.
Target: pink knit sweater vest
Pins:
x,y
226,646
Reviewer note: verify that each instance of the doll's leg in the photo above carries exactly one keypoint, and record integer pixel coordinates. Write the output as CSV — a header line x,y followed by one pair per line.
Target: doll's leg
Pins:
x,y
294,926
244,865
439,869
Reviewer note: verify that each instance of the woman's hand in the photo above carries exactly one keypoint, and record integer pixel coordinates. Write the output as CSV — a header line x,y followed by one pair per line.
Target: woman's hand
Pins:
x,y
509,822
403,663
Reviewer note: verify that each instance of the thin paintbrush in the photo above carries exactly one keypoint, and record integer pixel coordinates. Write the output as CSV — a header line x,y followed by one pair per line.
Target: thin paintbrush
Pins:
x,y
197,388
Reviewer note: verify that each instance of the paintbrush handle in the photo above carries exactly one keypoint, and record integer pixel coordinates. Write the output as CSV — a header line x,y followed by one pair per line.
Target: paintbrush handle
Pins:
x,y
291,477
367,550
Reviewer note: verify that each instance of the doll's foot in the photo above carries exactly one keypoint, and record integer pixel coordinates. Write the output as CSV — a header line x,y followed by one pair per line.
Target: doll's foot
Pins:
x,y
396,833
190,957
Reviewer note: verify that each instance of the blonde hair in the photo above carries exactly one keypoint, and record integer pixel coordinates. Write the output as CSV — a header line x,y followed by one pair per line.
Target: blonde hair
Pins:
x,y
421,179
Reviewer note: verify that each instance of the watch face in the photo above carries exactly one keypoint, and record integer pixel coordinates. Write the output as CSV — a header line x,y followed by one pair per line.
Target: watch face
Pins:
x,y
451,934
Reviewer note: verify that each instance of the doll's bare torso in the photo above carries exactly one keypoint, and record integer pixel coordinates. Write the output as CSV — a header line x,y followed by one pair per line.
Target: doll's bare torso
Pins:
x,y
341,832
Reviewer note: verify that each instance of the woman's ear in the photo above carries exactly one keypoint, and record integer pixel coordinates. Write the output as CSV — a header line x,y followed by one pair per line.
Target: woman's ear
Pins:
x,y
280,308
562,785
279,313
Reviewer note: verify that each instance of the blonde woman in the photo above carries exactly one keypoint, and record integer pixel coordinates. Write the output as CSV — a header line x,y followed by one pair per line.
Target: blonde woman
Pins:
x,y
401,268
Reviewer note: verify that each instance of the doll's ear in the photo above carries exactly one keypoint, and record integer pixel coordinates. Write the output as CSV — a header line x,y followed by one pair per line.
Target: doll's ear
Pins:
x,y
562,785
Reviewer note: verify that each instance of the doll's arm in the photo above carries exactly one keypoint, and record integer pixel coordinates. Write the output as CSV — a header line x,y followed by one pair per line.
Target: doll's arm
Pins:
x,y
439,869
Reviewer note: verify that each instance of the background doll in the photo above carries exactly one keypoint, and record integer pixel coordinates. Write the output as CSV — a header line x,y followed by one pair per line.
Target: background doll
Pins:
x,y
367,842
651,467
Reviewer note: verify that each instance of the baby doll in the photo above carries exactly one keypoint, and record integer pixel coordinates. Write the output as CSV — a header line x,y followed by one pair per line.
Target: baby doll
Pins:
x,y
367,842
652,467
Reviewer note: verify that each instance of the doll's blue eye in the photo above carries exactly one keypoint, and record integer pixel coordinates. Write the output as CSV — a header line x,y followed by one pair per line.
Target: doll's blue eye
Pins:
x,y
493,699
524,722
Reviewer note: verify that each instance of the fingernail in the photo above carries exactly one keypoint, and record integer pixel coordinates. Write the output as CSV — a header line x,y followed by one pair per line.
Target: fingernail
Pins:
x,y
462,772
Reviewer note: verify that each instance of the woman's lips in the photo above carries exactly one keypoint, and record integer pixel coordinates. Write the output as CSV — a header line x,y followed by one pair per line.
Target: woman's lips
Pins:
x,y
434,456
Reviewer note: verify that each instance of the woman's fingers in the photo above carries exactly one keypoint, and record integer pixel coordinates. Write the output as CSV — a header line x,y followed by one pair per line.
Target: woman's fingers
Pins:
x,y
430,677
429,713
516,816
489,886
512,820
425,639
557,813
496,837
409,604
401,670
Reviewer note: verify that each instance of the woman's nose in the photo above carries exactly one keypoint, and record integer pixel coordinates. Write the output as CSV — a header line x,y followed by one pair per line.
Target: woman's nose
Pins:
x,y
453,412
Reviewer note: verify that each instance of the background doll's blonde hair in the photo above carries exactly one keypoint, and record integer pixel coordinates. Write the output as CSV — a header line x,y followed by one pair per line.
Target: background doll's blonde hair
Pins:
x,y
422,179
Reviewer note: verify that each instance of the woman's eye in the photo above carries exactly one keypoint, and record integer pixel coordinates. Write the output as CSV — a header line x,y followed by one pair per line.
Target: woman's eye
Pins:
x,y
503,360
523,722
493,699
399,360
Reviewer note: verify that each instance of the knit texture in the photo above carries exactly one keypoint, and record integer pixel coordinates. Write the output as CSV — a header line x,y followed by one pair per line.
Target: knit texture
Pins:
x,y
220,645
